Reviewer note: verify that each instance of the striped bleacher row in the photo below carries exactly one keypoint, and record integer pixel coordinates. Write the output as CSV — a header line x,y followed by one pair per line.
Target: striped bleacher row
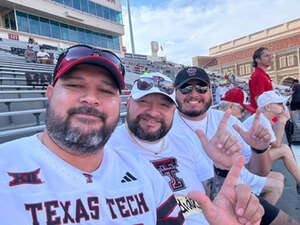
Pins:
x,y
22,104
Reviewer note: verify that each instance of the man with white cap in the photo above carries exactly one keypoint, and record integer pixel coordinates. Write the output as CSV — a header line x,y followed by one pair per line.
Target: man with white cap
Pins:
x,y
149,118
273,105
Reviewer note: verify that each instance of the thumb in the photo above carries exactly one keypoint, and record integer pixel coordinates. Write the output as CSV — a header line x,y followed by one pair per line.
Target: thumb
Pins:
x,y
203,138
204,202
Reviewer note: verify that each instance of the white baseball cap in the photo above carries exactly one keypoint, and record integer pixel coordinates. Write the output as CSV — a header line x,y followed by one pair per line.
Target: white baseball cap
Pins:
x,y
269,97
161,85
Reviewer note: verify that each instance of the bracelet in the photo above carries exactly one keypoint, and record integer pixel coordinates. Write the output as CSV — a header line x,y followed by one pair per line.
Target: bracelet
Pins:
x,y
259,151
220,172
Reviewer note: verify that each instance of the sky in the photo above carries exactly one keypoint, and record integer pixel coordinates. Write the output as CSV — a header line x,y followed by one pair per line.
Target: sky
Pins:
x,y
187,28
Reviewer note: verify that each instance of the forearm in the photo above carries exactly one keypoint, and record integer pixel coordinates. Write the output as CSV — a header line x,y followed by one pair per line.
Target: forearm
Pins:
x,y
213,185
279,135
260,164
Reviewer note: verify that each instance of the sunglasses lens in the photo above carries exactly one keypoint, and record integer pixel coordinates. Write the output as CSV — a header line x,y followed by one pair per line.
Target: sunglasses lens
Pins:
x,y
113,58
201,89
186,89
144,84
78,52
166,87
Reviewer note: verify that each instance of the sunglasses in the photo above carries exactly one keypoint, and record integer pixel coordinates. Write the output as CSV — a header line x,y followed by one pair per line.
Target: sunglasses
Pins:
x,y
146,83
80,51
186,89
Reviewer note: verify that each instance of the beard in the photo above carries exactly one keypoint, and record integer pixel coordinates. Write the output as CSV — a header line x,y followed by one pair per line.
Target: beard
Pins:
x,y
194,113
75,140
135,127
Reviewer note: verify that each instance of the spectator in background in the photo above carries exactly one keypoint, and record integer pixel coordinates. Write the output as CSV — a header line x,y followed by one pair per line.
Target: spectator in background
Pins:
x,y
30,41
44,57
30,56
272,104
146,70
260,81
220,91
294,82
295,103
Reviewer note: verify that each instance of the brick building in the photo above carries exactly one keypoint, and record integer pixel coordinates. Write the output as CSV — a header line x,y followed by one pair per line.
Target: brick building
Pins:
x,y
236,55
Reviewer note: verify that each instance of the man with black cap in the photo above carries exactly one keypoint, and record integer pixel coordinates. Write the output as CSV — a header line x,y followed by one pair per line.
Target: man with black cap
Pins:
x,y
194,98
66,174
194,119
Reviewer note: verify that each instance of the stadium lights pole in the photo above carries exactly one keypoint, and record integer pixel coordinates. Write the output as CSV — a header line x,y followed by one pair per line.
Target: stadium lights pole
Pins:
x,y
130,28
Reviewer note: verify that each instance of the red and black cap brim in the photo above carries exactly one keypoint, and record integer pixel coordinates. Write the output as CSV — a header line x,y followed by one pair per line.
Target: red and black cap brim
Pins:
x,y
65,66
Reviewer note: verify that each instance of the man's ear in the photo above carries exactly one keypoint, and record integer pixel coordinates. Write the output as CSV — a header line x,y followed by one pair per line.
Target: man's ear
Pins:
x,y
128,102
49,91
268,107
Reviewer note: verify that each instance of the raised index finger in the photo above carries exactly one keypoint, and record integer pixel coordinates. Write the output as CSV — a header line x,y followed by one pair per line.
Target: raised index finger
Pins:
x,y
257,118
223,123
234,173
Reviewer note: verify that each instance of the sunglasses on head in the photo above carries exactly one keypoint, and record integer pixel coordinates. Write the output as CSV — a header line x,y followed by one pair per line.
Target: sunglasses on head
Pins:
x,y
146,83
187,88
80,51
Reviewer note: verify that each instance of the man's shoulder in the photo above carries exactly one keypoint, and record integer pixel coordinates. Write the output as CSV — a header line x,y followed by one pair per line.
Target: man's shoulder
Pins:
x,y
118,136
17,143
18,152
256,73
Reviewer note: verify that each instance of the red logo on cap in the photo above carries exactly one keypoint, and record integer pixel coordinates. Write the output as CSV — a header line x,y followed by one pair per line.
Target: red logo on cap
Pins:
x,y
191,71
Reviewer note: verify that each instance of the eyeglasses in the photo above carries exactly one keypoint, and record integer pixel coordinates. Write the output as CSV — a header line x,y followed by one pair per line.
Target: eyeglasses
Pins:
x,y
146,83
80,51
186,89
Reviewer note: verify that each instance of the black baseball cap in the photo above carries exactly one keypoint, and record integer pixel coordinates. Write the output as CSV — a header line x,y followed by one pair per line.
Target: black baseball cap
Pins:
x,y
191,73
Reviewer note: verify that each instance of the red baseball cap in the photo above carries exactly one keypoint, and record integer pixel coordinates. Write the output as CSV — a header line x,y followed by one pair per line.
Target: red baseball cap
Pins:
x,y
236,95
63,65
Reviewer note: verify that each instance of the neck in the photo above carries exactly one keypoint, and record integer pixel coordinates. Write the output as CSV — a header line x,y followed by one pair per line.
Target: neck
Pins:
x,y
198,118
263,67
87,163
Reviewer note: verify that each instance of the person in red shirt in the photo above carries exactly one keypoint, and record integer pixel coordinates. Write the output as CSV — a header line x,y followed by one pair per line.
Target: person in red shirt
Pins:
x,y
260,81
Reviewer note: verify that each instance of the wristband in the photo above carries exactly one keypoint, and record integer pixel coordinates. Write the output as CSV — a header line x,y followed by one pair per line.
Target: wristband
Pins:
x,y
259,151
220,172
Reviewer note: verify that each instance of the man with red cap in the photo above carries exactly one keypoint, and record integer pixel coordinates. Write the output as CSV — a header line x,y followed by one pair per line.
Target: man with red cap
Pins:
x,y
236,100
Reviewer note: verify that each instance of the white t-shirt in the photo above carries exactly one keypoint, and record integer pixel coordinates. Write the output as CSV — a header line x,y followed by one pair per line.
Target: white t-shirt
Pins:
x,y
182,167
43,55
209,126
36,187
263,121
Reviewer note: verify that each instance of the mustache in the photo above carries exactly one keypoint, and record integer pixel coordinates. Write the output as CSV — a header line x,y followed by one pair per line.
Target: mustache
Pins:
x,y
88,111
147,116
194,99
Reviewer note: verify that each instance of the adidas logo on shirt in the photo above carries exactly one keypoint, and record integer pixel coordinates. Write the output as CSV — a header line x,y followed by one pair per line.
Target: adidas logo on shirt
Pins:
x,y
128,178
